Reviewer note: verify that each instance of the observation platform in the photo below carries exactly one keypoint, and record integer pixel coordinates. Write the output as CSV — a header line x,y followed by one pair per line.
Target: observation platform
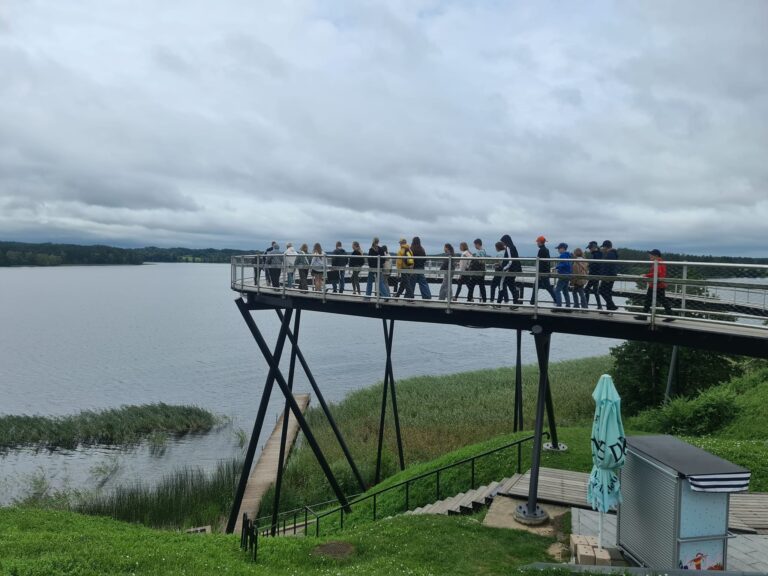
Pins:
x,y
714,314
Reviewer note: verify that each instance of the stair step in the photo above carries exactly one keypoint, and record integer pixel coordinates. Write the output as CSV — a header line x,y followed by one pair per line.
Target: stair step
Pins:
x,y
467,504
506,484
487,493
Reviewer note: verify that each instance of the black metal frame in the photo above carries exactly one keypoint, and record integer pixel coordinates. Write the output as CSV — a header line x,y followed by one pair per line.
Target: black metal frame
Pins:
x,y
389,383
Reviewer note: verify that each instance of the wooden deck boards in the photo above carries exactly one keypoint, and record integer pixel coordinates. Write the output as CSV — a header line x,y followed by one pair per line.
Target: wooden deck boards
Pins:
x,y
748,511
264,472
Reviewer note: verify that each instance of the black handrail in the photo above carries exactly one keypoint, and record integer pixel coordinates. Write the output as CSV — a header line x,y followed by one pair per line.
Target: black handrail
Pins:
x,y
374,495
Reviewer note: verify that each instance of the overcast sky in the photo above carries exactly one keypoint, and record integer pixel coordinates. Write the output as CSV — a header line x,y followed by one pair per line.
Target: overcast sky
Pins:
x,y
232,123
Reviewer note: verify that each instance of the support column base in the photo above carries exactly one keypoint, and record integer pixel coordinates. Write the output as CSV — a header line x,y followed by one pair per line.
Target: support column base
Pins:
x,y
549,447
539,516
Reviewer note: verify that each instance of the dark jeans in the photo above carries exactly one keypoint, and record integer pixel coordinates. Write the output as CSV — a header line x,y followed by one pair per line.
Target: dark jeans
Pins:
x,y
473,281
406,285
661,298
356,281
593,287
303,273
543,285
337,280
496,285
274,277
421,280
606,291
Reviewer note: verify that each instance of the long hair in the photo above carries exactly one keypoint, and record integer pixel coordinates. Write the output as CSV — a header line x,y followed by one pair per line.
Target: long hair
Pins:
x,y
416,241
449,249
317,249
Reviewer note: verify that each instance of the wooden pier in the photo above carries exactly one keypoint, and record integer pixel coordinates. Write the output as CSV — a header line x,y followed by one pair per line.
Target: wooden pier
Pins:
x,y
264,472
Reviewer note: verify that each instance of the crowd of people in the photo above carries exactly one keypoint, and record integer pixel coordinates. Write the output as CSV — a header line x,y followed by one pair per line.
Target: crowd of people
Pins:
x,y
581,274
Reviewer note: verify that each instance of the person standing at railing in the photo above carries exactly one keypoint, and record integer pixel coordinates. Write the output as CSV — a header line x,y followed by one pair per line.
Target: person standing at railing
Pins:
x,y
387,279
661,286
263,264
543,258
461,267
355,263
564,270
595,269
579,280
611,269
274,264
404,265
419,261
512,267
445,287
339,263
375,255
498,266
302,264
477,266
290,263
318,267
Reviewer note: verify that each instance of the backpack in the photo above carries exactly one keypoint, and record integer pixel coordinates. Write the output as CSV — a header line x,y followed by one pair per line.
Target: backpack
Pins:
x,y
409,259
476,265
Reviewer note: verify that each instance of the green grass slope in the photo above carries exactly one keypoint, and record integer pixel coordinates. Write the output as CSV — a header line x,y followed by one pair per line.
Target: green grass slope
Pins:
x,y
42,543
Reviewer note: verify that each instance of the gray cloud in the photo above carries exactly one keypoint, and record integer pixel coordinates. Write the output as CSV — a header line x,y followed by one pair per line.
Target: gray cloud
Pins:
x,y
232,125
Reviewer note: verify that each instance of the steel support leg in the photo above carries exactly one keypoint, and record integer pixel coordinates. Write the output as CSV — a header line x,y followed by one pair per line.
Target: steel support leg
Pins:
x,y
293,405
518,419
254,442
671,375
553,446
377,476
284,432
321,399
531,512
389,337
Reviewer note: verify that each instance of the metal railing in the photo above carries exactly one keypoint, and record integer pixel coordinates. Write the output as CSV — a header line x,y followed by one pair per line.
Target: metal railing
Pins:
x,y
703,292
309,518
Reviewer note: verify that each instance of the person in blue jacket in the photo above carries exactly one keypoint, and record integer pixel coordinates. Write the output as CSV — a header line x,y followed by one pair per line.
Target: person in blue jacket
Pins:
x,y
564,270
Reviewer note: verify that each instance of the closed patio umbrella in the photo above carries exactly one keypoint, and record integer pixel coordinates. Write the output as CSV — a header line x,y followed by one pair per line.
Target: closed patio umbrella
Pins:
x,y
608,450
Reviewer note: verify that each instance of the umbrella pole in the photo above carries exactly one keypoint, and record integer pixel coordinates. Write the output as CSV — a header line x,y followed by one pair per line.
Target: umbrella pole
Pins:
x,y
600,532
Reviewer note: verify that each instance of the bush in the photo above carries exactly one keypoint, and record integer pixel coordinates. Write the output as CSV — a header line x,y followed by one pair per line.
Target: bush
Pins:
x,y
708,412
641,370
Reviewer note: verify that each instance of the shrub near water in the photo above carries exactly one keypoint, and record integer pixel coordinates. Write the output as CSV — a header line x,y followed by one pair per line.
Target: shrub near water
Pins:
x,y
118,426
706,413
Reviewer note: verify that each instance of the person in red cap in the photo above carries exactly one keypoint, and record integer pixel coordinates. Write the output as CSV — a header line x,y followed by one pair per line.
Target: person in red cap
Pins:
x,y
661,286
544,264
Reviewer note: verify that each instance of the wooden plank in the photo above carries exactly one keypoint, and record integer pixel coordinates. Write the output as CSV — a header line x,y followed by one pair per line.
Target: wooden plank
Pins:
x,y
264,473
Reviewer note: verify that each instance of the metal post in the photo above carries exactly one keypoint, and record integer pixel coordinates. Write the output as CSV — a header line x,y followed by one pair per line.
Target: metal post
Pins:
x,y
292,401
284,276
536,291
389,338
377,476
672,370
531,512
321,399
449,273
554,445
378,280
254,442
685,288
258,274
325,275
518,419
284,432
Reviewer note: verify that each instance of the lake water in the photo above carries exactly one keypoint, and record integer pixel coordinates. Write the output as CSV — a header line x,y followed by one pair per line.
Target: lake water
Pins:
x,y
75,338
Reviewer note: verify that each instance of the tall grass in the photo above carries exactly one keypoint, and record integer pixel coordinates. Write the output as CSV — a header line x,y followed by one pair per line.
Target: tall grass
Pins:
x,y
182,499
438,414
126,425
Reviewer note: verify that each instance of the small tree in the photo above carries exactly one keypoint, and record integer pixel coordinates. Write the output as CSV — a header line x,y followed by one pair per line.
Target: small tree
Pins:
x,y
641,370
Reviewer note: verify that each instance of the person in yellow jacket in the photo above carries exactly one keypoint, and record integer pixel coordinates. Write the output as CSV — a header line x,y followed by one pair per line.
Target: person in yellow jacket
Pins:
x,y
405,262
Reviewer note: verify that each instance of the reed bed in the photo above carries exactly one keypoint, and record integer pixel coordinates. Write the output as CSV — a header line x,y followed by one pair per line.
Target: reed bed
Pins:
x,y
122,426
182,499
438,414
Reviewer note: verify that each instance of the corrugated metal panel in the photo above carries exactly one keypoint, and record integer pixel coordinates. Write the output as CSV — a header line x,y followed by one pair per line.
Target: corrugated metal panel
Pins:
x,y
647,520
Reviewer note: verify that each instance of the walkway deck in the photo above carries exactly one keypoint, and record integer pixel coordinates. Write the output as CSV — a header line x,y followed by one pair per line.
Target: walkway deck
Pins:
x,y
748,510
264,472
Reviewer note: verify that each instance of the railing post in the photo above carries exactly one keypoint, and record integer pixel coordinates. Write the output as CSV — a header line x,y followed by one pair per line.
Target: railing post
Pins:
x,y
379,278
325,275
655,288
437,486
284,276
449,274
317,526
536,291
374,506
685,288
257,271
341,521
473,474
407,495
519,457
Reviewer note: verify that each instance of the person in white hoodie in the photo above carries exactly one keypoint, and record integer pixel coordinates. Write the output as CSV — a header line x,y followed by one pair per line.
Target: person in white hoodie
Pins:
x,y
290,264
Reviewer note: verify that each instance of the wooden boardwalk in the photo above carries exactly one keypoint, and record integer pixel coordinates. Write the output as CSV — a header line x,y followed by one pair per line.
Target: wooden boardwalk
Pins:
x,y
748,510
264,472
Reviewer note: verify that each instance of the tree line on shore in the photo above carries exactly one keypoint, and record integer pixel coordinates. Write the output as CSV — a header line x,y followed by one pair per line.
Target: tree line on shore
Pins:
x,y
51,254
